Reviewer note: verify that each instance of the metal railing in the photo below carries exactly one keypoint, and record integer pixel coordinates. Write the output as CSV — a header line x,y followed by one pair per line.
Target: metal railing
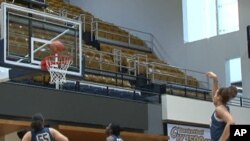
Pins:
x,y
111,33
240,101
149,43
137,64
94,88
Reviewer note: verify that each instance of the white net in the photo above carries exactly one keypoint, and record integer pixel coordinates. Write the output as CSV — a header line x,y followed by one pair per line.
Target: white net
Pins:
x,y
57,65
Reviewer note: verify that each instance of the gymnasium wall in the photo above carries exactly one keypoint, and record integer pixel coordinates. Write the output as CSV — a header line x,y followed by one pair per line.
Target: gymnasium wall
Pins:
x,y
163,18
24,101
12,137
1,22
196,111
154,119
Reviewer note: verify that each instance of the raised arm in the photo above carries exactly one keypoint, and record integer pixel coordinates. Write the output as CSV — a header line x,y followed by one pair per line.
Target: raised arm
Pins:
x,y
57,135
214,78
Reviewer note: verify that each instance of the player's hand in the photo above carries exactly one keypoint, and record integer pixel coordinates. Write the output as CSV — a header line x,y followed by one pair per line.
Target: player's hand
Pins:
x,y
211,75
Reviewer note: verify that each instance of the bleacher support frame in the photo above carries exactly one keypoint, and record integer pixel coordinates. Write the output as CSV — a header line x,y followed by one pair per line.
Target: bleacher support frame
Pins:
x,y
135,64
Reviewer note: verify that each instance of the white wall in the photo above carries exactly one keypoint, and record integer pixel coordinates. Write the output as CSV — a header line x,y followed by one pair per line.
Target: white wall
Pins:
x,y
163,18
10,137
197,111
244,21
4,74
1,24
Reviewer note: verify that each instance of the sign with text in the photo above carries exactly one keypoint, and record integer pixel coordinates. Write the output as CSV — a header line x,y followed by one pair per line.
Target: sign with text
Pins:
x,y
188,133
239,132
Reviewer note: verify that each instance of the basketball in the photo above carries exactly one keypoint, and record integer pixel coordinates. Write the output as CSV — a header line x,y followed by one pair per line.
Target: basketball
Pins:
x,y
56,46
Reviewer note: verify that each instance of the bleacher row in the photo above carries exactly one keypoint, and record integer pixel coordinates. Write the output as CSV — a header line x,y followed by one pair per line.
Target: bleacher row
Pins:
x,y
88,86
103,90
107,57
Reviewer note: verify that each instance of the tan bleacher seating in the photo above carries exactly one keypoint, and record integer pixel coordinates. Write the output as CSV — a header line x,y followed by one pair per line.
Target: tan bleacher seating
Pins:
x,y
18,41
106,48
108,64
18,29
113,32
192,81
88,47
55,4
136,41
107,80
72,11
165,72
91,59
93,56
14,50
99,60
42,78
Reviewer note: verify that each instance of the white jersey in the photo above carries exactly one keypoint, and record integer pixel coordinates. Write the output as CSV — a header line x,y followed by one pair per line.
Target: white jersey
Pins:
x,y
114,138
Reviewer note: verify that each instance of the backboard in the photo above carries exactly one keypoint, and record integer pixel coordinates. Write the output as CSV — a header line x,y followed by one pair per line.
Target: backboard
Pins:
x,y
27,34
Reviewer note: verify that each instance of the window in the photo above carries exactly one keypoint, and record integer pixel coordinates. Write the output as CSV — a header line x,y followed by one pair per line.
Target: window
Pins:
x,y
234,76
207,18
228,16
198,18
235,70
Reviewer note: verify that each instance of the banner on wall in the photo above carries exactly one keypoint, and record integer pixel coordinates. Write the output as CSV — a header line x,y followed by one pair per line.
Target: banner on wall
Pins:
x,y
187,133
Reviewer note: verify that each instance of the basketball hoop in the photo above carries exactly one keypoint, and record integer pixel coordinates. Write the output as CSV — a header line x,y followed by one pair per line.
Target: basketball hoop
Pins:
x,y
57,65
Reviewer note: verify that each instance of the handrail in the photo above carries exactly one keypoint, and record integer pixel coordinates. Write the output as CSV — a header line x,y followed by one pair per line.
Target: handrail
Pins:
x,y
153,43
145,38
98,21
157,47
201,78
150,40
151,68
240,101
100,60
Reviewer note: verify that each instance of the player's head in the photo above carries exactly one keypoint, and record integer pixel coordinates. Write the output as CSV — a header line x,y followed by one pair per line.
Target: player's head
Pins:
x,y
37,123
115,129
225,94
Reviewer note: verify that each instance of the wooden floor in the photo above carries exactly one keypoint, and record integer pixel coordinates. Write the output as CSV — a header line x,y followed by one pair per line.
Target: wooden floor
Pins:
x,y
92,134
78,133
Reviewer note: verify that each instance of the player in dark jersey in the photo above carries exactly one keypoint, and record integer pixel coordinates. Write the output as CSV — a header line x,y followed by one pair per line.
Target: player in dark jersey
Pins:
x,y
41,133
221,118
113,132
